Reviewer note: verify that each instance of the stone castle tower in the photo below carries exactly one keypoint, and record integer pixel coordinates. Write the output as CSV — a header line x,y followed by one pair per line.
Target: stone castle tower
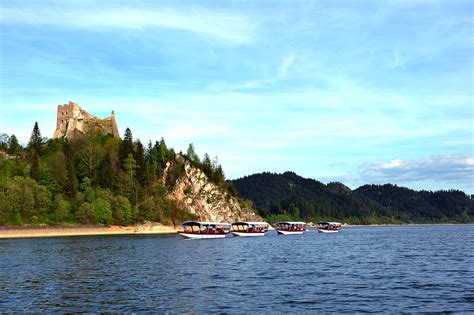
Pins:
x,y
72,121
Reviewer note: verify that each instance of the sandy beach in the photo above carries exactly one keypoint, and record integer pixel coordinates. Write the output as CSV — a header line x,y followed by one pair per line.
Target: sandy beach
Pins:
x,y
47,231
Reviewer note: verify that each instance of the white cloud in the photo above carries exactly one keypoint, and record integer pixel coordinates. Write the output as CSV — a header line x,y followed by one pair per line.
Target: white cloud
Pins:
x,y
447,168
231,28
280,74
284,66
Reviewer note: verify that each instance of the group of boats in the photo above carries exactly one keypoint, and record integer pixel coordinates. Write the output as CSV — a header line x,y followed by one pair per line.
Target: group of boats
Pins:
x,y
202,230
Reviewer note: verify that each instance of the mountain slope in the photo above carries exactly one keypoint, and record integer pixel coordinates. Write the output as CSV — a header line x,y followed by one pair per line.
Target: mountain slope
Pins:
x,y
289,196
422,206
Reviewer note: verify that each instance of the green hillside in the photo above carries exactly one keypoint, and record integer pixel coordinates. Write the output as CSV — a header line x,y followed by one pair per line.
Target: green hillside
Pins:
x,y
289,196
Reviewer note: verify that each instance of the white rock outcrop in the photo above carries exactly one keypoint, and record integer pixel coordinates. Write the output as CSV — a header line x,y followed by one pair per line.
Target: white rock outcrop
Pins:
x,y
207,200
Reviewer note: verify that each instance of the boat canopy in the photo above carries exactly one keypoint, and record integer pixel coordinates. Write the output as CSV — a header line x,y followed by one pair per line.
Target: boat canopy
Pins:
x,y
190,223
251,223
330,223
290,222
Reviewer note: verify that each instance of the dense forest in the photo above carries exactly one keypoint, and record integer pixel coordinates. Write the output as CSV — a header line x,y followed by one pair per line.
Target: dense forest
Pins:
x,y
100,179
288,196
94,179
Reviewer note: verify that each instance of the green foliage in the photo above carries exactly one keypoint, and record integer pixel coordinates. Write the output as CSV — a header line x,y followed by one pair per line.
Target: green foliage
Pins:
x,y
36,141
4,142
288,196
86,214
61,209
14,147
95,179
121,210
35,171
103,211
126,146
191,154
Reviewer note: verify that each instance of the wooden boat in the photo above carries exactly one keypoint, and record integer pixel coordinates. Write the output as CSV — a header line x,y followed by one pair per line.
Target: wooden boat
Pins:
x,y
290,228
249,228
328,227
201,230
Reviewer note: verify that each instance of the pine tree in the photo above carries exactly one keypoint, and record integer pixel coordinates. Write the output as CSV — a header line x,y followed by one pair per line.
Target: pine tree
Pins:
x,y
140,160
206,165
36,141
191,154
126,147
162,153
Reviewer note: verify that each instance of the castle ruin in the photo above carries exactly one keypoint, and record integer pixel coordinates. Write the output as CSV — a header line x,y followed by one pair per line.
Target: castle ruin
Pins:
x,y
72,121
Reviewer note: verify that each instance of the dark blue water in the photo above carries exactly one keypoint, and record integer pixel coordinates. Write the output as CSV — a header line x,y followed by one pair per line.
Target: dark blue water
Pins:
x,y
366,269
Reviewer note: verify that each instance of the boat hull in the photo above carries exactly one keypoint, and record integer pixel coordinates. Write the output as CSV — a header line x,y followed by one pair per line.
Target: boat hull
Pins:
x,y
284,232
201,236
327,231
245,234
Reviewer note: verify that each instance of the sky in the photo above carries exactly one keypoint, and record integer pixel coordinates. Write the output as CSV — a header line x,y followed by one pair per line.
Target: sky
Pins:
x,y
361,92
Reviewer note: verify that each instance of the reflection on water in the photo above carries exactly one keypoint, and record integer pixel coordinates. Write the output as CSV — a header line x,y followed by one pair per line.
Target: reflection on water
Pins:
x,y
366,269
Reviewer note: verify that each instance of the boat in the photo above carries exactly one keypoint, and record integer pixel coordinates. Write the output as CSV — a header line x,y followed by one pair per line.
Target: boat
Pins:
x,y
328,227
201,230
249,228
290,228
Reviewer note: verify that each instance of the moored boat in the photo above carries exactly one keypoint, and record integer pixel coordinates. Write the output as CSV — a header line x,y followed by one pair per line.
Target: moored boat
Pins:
x,y
249,228
328,227
201,230
290,228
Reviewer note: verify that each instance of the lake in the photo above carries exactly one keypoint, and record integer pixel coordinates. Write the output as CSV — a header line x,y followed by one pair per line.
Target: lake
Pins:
x,y
360,269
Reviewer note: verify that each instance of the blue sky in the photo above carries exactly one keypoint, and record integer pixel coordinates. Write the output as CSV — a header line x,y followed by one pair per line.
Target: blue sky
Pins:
x,y
352,91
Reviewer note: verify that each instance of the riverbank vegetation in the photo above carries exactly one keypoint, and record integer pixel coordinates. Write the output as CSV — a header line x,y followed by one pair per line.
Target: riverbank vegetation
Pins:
x,y
288,196
100,179
94,179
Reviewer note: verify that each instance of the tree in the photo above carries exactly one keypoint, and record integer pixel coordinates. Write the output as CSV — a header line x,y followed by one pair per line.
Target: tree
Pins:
x,y
61,209
3,141
121,210
126,147
191,154
130,166
86,214
140,160
110,172
162,153
13,145
207,165
36,141
103,211
89,159
70,186
35,172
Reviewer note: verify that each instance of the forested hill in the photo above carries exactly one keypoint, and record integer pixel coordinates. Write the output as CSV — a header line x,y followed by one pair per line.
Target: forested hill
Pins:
x,y
422,206
289,196
96,178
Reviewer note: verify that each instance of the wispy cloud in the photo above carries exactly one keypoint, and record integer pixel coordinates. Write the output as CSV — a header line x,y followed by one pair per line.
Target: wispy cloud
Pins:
x,y
231,28
447,168
279,74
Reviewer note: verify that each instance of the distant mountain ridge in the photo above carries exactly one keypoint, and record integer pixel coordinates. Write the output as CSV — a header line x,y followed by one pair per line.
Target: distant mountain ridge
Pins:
x,y
290,196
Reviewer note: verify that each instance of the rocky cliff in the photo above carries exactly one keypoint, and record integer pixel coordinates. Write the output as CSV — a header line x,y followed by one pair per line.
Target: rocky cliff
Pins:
x,y
204,198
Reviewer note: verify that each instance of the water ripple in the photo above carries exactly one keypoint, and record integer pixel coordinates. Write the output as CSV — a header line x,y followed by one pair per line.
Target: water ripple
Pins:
x,y
366,270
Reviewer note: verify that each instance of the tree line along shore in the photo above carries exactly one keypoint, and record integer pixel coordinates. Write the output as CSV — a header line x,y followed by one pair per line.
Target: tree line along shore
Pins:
x,y
99,179
95,179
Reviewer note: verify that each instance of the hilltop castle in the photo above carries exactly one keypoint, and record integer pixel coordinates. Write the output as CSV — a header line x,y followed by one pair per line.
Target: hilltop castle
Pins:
x,y
72,120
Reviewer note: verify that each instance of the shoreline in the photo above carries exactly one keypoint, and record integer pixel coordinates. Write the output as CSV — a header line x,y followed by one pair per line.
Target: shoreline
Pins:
x,y
61,231
150,229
